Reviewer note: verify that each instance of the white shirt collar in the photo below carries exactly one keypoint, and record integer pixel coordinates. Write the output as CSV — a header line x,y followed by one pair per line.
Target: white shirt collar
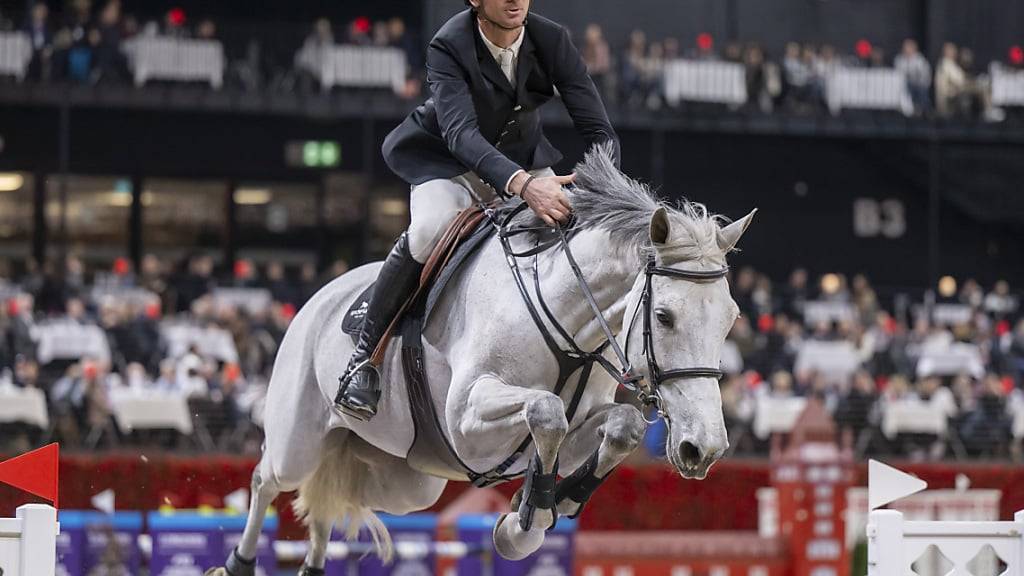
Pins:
x,y
494,49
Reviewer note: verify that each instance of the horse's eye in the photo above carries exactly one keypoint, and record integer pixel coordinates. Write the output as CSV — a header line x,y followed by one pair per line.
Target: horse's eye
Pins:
x,y
664,318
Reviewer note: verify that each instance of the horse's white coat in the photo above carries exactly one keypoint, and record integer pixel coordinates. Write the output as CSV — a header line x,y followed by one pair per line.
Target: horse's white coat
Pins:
x,y
491,372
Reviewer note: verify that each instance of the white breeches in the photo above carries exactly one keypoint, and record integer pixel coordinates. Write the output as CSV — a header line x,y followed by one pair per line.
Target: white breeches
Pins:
x,y
435,203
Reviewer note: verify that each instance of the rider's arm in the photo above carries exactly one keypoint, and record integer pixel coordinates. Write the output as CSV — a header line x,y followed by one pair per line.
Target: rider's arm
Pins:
x,y
581,97
457,119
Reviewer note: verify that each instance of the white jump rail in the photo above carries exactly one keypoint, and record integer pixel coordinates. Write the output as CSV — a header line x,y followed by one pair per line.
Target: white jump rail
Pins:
x,y
28,542
894,544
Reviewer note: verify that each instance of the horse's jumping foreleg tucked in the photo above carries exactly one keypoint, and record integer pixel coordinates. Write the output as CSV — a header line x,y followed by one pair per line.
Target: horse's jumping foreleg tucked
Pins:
x,y
605,439
494,405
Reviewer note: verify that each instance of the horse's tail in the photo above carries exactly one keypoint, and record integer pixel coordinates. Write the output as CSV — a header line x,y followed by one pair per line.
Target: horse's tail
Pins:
x,y
333,494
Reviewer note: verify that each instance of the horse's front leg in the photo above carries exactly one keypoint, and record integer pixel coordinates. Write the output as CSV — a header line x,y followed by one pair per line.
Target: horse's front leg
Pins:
x,y
608,435
500,412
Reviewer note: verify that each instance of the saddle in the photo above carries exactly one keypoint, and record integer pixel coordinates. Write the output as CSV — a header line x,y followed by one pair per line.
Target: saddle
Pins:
x,y
431,451
460,240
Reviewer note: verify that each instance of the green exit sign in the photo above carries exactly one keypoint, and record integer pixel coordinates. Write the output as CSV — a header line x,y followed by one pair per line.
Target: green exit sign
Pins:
x,y
313,154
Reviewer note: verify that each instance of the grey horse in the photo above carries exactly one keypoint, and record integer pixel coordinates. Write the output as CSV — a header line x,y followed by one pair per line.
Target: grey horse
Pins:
x,y
492,376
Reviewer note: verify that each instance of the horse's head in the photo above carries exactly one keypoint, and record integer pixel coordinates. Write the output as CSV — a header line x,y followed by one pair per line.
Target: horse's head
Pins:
x,y
689,318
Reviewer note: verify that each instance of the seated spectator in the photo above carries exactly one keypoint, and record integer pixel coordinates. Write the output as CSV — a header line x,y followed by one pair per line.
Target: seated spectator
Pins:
x,y
950,82
733,53
316,48
597,56
110,64
826,64
876,59
20,341
999,302
41,36
918,72
757,77
932,391
632,86
82,395
855,413
653,73
281,289
781,385
206,29
798,76
978,90
986,430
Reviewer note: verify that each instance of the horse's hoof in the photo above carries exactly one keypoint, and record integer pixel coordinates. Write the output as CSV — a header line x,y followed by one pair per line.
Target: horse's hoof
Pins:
x,y
512,543
216,572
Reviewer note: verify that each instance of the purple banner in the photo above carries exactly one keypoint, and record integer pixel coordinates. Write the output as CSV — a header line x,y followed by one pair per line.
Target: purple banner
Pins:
x,y
188,544
90,540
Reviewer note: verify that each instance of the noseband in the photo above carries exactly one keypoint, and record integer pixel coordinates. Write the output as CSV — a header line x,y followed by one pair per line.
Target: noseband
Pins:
x,y
650,395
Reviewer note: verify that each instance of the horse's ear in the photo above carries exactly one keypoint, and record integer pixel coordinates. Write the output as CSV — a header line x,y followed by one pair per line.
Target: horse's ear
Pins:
x,y
659,226
729,236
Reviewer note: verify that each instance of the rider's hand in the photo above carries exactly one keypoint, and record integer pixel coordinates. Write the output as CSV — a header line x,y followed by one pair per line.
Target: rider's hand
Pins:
x,y
547,199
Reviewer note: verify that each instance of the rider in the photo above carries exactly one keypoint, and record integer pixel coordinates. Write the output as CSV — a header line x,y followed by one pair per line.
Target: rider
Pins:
x,y
489,69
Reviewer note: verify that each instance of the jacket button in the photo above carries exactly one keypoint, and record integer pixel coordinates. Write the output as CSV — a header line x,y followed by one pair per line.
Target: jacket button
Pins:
x,y
518,107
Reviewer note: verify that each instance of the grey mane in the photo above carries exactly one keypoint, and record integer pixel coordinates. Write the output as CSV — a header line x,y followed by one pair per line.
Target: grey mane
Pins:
x,y
607,199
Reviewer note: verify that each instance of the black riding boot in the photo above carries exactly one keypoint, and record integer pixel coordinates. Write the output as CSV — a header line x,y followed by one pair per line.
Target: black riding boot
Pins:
x,y
359,388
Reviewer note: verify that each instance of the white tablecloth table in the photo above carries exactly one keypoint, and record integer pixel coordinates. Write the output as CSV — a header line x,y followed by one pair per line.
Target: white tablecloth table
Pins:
x,y
1007,86
62,340
355,66
817,311
15,54
871,88
27,405
705,81
835,361
251,300
913,417
209,341
150,410
957,358
951,314
776,415
178,59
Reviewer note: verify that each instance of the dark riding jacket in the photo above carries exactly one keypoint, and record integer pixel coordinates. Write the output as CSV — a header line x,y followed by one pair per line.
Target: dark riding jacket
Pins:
x,y
475,120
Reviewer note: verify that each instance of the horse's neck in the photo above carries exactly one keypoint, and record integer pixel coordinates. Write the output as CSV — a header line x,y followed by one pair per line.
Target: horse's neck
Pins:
x,y
609,272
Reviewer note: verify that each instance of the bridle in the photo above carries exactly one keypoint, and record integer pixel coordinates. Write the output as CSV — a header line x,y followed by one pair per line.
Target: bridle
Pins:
x,y
649,394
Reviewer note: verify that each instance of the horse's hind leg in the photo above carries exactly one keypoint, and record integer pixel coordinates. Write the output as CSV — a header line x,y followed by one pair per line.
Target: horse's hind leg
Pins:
x,y
242,561
495,409
316,558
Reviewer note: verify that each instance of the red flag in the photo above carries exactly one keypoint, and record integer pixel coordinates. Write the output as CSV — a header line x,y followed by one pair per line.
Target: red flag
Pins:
x,y
34,472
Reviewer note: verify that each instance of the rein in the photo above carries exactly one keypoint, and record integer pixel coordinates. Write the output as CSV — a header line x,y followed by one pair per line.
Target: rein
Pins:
x,y
648,394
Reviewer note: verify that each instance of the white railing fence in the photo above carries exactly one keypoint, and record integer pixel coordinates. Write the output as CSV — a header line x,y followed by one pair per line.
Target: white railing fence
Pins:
x,y
28,542
898,547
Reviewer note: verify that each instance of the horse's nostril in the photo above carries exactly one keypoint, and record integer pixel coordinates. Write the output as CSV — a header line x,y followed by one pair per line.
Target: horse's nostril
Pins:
x,y
690,453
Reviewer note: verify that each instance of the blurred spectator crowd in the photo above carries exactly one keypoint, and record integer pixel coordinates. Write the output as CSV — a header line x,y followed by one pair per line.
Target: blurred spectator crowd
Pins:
x,y
942,377
795,81
87,340
86,42
932,376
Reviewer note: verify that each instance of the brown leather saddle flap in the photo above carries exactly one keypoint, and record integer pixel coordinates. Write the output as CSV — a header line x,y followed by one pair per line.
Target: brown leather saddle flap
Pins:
x,y
460,228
